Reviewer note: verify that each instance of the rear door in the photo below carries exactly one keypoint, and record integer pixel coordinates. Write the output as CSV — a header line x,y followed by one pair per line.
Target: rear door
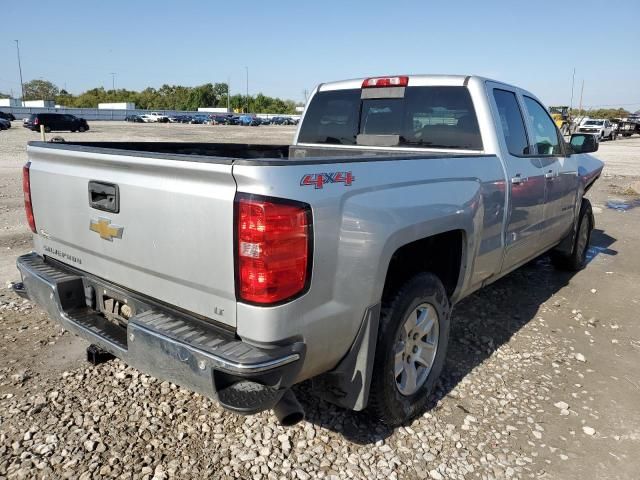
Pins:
x,y
158,225
524,175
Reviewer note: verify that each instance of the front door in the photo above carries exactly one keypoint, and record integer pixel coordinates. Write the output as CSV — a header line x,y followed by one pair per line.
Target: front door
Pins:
x,y
525,179
560,173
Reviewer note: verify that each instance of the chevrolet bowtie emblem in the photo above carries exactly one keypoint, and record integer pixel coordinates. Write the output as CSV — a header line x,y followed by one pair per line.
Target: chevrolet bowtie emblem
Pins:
x,y
103,227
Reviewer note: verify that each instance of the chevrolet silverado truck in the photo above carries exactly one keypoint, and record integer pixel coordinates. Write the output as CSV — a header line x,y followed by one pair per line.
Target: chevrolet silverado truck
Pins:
x,y
238,271
601,127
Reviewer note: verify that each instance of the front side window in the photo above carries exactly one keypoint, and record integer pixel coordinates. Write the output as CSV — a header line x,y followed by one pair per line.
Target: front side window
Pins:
x,y
512,123
429,117
544,130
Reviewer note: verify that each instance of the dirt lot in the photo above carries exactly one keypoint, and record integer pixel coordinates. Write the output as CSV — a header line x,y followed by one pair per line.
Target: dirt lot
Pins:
x,y
542,379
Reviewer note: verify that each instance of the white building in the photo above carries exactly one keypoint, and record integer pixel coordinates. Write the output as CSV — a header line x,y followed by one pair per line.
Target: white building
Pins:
x,y
9,102
213,110
39,103
117,106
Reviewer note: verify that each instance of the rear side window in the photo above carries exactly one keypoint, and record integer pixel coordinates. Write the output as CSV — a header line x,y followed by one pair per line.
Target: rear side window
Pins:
x,y
544,130
512,123
429,117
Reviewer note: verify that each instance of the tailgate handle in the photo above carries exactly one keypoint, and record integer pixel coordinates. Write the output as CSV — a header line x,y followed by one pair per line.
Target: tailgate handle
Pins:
x,y
104,196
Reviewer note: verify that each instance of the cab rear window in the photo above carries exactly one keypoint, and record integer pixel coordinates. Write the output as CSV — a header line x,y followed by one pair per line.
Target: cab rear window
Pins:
x,y
427,117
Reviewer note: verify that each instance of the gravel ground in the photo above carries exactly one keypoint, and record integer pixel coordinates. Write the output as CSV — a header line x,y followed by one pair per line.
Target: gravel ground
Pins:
x,y
541,380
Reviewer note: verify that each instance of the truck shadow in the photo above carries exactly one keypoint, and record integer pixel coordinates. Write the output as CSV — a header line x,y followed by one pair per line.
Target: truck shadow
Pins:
x,y
480,325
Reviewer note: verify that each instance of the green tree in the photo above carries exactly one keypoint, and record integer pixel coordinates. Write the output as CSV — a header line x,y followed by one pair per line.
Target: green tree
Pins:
x,y
65,98
40,90
4,95
167,97
609,113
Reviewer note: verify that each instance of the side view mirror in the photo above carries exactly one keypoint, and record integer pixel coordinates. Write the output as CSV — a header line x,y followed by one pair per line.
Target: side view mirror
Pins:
x,y
584,143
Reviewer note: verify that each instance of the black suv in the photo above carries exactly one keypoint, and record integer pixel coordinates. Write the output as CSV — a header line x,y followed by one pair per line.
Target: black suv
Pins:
x,y
7,116
55,121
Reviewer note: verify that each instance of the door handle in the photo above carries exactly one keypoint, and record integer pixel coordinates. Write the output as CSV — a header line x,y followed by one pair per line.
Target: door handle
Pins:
x,y
550,175
104,196
518,179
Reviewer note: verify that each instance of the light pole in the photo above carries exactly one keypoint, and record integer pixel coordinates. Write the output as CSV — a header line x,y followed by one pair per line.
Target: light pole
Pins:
x,y
573,81
228,94
113,81
247,101
20,70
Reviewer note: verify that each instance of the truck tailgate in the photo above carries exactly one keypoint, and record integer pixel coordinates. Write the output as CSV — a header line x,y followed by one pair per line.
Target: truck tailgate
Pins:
x,y
172,238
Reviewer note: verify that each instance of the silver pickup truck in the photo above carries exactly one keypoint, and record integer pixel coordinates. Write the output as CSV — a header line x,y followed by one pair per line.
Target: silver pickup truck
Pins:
x,y
238,271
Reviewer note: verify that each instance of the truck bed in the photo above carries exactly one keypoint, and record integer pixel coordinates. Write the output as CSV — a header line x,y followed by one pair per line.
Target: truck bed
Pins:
x,y
244,153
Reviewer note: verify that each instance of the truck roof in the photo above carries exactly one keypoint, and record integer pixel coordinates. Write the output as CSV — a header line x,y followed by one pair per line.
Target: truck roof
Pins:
x,y
414,80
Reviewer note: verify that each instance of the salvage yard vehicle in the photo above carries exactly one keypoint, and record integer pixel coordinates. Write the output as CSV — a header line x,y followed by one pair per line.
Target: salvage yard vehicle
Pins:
x,y
628,126
55,122
600,127
7,116
238,271
563,119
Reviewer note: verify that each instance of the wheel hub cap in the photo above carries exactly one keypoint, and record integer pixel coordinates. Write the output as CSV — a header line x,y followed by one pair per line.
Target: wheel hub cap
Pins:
x,y
415,348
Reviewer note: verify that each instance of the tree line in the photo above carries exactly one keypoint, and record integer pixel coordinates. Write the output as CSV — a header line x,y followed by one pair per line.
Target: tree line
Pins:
x,y
167,97
608,113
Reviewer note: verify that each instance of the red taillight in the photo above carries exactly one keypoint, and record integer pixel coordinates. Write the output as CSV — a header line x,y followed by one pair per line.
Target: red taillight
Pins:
x,y
36,121
26,189
273,249
386,82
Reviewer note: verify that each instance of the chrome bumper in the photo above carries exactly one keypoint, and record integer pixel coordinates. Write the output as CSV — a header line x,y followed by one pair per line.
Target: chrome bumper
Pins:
x,y
167,345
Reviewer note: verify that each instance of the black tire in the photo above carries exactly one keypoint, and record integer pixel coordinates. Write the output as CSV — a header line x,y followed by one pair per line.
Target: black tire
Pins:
x,y
81,129
386,403
577,259
47,129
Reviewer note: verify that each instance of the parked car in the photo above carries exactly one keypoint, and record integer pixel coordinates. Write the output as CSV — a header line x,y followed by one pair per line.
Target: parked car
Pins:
x,y
219,120
336,259
7,116
134,119
156,117
199,119
55,122
4,124
283,121
248,120
600,127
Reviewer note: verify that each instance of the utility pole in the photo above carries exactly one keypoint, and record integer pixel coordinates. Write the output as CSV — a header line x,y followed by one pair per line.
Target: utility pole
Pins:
x,y
305,92
20,70
581,92
113,81
573,81
228,94
247,100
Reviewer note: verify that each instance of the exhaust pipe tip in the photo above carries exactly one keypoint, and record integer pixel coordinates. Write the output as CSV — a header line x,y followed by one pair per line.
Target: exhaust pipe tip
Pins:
x,y
288,410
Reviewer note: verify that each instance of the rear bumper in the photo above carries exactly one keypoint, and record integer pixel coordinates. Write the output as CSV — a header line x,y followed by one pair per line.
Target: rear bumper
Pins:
x,y
161,342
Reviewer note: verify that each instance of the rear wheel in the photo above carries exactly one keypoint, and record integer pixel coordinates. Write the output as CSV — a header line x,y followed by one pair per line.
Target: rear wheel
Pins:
x,y
577,258
47,129
81,129
411,349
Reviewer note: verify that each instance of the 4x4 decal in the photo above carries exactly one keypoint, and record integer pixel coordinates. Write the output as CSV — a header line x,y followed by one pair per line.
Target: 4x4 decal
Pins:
x,y
318,180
